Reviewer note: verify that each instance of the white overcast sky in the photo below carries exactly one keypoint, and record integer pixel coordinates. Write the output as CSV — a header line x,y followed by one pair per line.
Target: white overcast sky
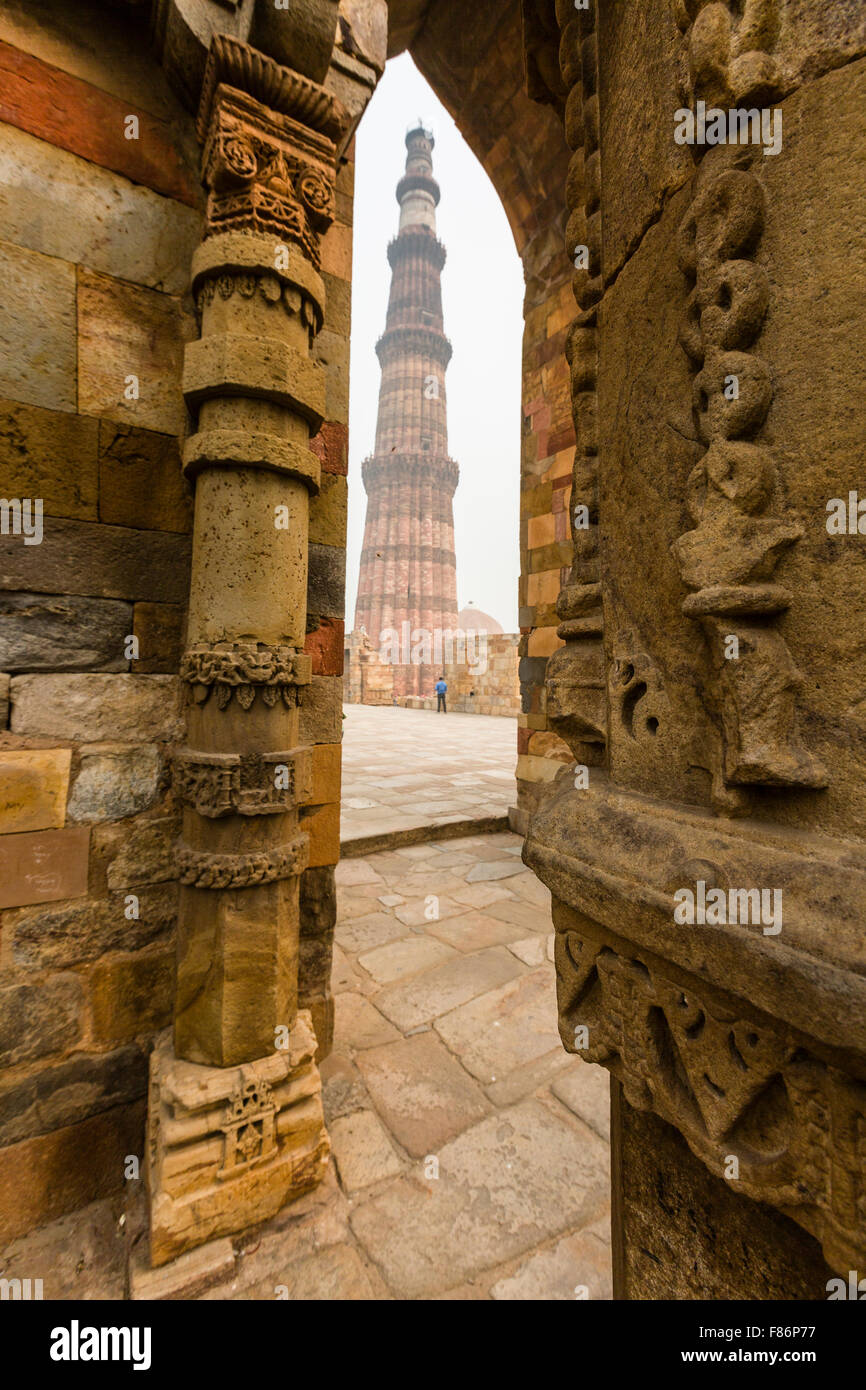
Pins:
x,y
482,291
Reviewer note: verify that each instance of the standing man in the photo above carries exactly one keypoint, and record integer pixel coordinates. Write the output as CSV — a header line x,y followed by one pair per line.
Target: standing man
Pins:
x,y
440,688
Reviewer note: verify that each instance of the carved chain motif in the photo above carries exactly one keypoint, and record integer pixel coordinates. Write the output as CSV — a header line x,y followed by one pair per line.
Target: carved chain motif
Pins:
x,y
729,557
223,784
729,49
732,1086
575,683
244,669
200,870
269,287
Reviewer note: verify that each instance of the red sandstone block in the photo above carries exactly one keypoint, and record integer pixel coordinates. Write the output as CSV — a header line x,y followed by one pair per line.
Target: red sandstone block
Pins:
x,y
75,116
331,447
523,737
562,438
44,867
325,646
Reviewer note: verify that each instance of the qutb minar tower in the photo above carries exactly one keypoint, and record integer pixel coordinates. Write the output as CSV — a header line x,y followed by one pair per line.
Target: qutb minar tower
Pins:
x,y
408,576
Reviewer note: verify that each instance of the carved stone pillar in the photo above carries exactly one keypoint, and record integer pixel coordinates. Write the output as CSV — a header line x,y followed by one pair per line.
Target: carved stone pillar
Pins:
x,y
235,1109
713,669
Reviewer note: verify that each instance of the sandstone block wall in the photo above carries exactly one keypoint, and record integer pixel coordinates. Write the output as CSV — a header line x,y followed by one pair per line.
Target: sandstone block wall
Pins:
x,y
96,236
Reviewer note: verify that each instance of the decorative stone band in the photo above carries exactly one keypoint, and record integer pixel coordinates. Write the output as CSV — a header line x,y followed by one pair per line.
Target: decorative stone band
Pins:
x,y
237,364
400,342
221,448
442,472
231,260
619,858
417,244
411,183
200,870
279,88
731,1036
245,669
244,784
230,1145
267,174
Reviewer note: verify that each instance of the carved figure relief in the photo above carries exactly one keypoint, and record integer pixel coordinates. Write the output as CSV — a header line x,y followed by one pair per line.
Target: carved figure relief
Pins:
x,y
248,1128
729,558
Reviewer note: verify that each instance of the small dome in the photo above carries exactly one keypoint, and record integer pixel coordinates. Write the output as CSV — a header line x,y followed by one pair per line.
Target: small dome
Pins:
x,y
472,619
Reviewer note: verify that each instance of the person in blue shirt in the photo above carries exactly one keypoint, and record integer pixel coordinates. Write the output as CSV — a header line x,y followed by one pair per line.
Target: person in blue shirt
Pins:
x,y
440,687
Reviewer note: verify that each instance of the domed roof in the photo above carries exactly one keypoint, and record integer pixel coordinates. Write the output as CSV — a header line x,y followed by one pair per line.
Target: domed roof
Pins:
x,y
472,619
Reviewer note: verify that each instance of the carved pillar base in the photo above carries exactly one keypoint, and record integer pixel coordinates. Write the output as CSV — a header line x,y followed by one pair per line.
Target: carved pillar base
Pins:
x,y
230,1146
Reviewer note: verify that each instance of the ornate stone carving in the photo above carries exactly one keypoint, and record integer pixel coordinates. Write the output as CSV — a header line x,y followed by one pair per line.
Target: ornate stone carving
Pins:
x,y
228,1146
248,1127
269,164
200,870
729,48
249,784
730,556
575,678
734,1084
244,670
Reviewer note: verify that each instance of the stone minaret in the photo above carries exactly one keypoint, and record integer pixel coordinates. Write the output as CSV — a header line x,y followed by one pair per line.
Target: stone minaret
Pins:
x,y
408,581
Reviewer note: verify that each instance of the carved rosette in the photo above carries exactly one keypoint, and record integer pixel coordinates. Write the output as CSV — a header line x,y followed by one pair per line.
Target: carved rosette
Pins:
x,y
575,680
270,168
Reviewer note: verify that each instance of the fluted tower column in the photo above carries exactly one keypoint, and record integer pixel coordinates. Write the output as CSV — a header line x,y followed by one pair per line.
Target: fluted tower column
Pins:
x,y
408,576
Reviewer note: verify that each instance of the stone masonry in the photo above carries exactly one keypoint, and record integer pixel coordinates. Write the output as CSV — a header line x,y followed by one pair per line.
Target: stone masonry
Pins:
x,y
407,586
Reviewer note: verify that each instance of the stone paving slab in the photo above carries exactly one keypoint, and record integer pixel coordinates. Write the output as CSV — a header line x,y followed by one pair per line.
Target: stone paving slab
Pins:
x,y
504,1185
423,1094
504,1028
409,769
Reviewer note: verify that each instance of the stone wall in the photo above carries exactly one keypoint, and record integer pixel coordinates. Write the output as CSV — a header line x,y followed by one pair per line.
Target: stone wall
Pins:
x,y
495,690
96,236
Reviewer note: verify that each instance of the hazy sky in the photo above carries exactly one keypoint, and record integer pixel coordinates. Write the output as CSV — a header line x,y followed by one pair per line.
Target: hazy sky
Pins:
x,y
482,292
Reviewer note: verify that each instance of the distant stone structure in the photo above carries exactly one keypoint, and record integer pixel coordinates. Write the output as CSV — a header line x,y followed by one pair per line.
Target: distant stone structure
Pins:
x,y
408,569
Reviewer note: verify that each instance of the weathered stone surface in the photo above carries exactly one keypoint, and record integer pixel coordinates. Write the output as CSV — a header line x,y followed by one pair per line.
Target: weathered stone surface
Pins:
x,y
444,987
5,684
66,936
472,931
37,328
425,1097
359,1024
36,1020
30,1194
69,1092
585,1089
141,482
52,202
184,1277
576,1267
125,331
40,632
50,454
326,581
322,824
132,996
362,1150
78,1255
114,782
504,1028
78,557
366,932
144,854
159,628
407,957
321,709
535,1174
33,787
94,708
43,867
481,873
328,512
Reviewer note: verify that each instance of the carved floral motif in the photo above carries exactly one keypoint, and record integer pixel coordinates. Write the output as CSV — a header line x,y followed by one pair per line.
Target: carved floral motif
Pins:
x,y
244,669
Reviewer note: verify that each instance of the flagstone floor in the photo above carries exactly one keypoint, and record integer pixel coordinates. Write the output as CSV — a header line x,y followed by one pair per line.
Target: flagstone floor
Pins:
x,y
407,768
470,1153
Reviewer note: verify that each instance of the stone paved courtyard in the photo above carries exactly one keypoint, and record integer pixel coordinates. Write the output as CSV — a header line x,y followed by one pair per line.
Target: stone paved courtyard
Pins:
x,y
408,768
446,1060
